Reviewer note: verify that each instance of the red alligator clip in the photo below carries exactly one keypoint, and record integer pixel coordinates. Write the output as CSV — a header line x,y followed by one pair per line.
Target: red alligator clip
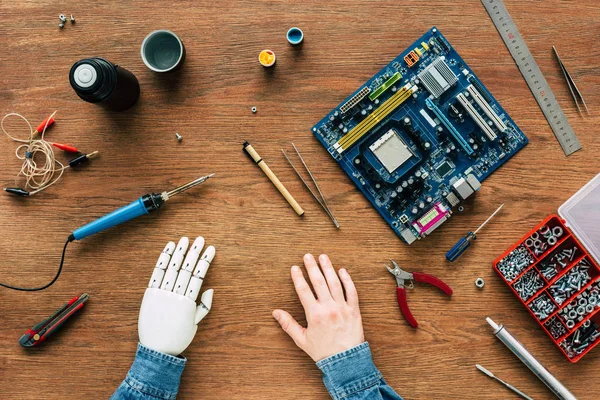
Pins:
x,y
402,276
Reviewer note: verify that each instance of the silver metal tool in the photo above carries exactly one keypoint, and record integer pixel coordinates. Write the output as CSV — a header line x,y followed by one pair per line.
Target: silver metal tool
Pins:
x,y
533,76
188,185
559,390
322,202
508,385
575,93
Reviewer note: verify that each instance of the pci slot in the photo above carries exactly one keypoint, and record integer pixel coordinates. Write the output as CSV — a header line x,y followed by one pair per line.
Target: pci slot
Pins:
x,y
361,94
375,118
487,109
457,136
476,117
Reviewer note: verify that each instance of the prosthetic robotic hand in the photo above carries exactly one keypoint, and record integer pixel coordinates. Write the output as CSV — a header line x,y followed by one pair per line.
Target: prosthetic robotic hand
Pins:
x,y
169,316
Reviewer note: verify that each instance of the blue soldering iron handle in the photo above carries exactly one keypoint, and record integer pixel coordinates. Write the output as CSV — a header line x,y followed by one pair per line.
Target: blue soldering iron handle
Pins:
x,y
141,206
460,247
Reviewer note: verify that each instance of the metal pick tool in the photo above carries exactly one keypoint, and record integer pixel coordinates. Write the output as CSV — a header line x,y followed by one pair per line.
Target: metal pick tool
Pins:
x,y
575,93
322,202
511,387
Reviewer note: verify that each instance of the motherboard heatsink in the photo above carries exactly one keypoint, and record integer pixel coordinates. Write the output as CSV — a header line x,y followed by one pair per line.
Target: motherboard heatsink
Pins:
x,y
420,136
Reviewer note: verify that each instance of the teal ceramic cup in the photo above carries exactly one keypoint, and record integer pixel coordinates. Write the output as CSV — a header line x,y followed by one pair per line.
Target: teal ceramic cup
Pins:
x,y
162,51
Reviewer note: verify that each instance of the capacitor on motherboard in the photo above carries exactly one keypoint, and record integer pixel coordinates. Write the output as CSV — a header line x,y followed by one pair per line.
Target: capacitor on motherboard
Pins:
x,y
414,210
418,174
411,181
393,195
421,205
404,184
399,189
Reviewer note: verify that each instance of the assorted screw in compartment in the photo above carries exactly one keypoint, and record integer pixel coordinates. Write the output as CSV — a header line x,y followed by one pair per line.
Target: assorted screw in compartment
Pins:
x,y
571,282
529,284
559,260
514,263
581,339
555,327
542,306
581,306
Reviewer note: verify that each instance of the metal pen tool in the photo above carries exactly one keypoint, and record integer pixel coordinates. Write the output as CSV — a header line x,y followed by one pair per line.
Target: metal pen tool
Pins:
x,y
559,390
508,385
322,201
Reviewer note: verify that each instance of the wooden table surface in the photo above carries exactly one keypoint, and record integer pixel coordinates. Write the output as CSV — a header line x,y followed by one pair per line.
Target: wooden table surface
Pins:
x,y
239,351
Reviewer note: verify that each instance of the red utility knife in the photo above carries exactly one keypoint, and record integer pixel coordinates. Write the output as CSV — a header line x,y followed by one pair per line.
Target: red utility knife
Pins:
x,y
40,332
402,276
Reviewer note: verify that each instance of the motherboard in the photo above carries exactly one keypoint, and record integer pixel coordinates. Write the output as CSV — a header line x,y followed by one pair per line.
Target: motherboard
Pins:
x,y
420,136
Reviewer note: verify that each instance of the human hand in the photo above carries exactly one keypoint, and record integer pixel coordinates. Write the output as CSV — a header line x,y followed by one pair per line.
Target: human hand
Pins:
x,y
169,317
333,321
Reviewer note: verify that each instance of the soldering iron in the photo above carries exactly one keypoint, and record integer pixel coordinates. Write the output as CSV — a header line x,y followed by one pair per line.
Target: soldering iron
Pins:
x,y
144,205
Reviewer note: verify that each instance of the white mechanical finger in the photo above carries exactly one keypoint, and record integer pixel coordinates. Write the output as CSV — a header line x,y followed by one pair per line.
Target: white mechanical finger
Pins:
x,y
161,265
183,279
204,262
199,273
193,288
171,275
193,255
205,305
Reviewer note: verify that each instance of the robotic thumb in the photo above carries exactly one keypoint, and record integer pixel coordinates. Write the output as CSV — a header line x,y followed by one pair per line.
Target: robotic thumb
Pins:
x,y
204,306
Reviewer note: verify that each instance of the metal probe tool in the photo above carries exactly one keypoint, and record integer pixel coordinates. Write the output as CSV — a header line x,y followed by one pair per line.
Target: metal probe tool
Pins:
x,y
144,205
559,390
508,385
464,243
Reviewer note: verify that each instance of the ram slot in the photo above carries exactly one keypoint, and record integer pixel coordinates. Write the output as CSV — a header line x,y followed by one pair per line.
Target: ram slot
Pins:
x,y
476,117
487,109
457,136
374,118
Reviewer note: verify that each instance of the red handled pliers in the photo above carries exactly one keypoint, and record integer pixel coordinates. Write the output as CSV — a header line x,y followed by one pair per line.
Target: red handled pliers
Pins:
x,y
402,276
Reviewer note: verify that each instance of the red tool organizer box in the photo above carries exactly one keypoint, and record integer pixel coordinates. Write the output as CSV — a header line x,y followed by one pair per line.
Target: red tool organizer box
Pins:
x,y
554,271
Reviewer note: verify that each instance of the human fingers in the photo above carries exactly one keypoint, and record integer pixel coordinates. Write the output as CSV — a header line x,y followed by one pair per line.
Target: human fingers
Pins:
x,y
302,289
290,326
333,282
351,293
316,278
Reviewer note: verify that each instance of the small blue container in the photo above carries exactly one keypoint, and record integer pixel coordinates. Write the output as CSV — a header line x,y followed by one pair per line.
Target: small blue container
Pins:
x,y
295,36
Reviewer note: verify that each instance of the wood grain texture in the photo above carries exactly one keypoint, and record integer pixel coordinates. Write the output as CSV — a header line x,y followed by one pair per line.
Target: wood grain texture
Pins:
x,y
240,352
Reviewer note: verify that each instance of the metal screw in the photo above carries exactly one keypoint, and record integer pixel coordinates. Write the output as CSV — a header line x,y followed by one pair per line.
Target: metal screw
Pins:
x,y
479,283
253,110
179,137
62,17
72,19
61,25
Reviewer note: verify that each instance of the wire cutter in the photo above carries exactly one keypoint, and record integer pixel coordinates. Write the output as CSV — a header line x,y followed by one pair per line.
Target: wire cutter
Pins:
x,y
401,277
40,332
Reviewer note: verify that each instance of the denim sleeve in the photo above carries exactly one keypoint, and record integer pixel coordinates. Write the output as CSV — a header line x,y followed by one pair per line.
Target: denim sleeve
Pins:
x,y
153,375
351,375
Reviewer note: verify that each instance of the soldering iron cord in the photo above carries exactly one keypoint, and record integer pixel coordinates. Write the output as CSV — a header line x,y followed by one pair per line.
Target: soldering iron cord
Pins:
x,y
60,267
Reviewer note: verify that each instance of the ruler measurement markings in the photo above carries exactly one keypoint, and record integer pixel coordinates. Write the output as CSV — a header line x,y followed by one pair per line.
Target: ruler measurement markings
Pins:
x,y
533,75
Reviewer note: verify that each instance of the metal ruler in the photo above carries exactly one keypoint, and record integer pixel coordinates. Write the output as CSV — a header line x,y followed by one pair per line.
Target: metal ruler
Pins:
x,y
533,75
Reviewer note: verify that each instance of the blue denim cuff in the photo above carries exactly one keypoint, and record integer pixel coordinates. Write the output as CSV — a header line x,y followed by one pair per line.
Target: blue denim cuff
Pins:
x,y
349,372
156,374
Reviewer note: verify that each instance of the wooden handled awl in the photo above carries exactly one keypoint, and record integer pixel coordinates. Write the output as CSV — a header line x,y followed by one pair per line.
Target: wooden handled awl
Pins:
x,y
265,168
